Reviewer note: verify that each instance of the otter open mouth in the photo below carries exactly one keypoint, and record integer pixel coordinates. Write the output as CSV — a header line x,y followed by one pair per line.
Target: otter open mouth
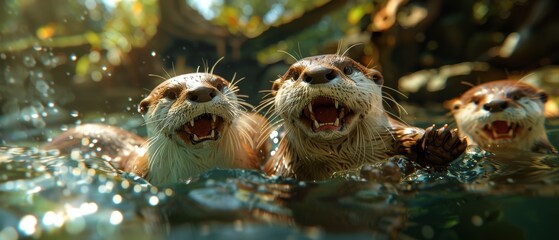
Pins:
x,y
201,128
325,114
501,130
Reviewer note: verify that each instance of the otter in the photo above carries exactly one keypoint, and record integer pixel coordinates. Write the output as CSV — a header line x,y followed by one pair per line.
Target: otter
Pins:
x,y
195,122
331,109
503,115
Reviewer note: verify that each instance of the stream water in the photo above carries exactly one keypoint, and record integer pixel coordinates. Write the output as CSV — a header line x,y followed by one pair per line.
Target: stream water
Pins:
x,y
481,196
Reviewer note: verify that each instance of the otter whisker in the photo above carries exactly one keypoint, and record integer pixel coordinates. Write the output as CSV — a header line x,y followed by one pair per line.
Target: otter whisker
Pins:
x,y
155,75
350,47
288,54
215,64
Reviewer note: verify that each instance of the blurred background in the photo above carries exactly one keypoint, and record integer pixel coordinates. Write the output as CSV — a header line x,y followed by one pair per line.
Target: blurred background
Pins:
x,y
65,62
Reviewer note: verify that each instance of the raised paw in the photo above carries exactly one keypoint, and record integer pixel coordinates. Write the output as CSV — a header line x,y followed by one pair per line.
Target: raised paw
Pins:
x,y
441,146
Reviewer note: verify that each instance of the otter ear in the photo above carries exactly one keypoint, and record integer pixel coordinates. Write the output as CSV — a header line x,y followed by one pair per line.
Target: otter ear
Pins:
x,y
276,86
453,104
543,96
144,105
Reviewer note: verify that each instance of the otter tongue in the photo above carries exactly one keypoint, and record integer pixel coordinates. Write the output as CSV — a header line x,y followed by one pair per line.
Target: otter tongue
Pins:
x,y
202,127
325,114
500,127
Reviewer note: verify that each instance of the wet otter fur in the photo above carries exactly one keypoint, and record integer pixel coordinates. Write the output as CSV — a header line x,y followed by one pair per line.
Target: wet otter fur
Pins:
x,y
195,122
503,115
331,109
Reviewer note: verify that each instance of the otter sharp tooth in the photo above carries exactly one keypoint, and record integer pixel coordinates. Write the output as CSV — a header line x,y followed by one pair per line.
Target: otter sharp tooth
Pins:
x,y
192,123
214,117
336,103
316,125
212,135
337,122
195,137
312,115
310,108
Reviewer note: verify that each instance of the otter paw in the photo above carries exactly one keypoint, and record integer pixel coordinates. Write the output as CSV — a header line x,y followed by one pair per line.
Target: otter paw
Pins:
x,y
441,146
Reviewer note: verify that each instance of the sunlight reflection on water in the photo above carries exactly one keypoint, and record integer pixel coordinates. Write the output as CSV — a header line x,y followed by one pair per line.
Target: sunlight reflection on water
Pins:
x,y
45,195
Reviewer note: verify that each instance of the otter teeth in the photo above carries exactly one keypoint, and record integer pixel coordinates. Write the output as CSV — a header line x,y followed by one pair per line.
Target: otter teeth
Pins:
x,y
192,123
197,139
336,104
494,132
317,125
214,117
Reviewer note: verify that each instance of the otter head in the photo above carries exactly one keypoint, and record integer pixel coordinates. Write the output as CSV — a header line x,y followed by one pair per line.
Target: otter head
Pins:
x,y
190,110
324,96
505,114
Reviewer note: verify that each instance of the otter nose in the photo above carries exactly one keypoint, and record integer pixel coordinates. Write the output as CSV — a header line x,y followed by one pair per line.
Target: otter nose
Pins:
x,y
319,75
496,106
201,94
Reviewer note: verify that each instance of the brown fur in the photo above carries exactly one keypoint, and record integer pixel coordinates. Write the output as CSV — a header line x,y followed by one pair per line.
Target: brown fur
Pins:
x,y
173,153
507,101
361,132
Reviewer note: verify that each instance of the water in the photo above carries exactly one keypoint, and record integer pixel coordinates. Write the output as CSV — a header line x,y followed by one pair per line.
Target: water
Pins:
x,y
47,196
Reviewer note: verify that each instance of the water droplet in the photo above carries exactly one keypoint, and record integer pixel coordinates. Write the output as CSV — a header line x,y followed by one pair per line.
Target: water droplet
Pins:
x,y
130,99
94,56
477,220
104,68
29,61
169,192
117,199
74,113
28,224
42,87
73,57
116,218
137,188
153,200
96,76
153,54
125,184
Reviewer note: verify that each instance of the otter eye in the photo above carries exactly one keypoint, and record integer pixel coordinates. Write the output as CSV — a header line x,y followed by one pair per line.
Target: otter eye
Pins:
x,y
516,95
475,100
171,94
295,75
543,96
348,70
220,86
